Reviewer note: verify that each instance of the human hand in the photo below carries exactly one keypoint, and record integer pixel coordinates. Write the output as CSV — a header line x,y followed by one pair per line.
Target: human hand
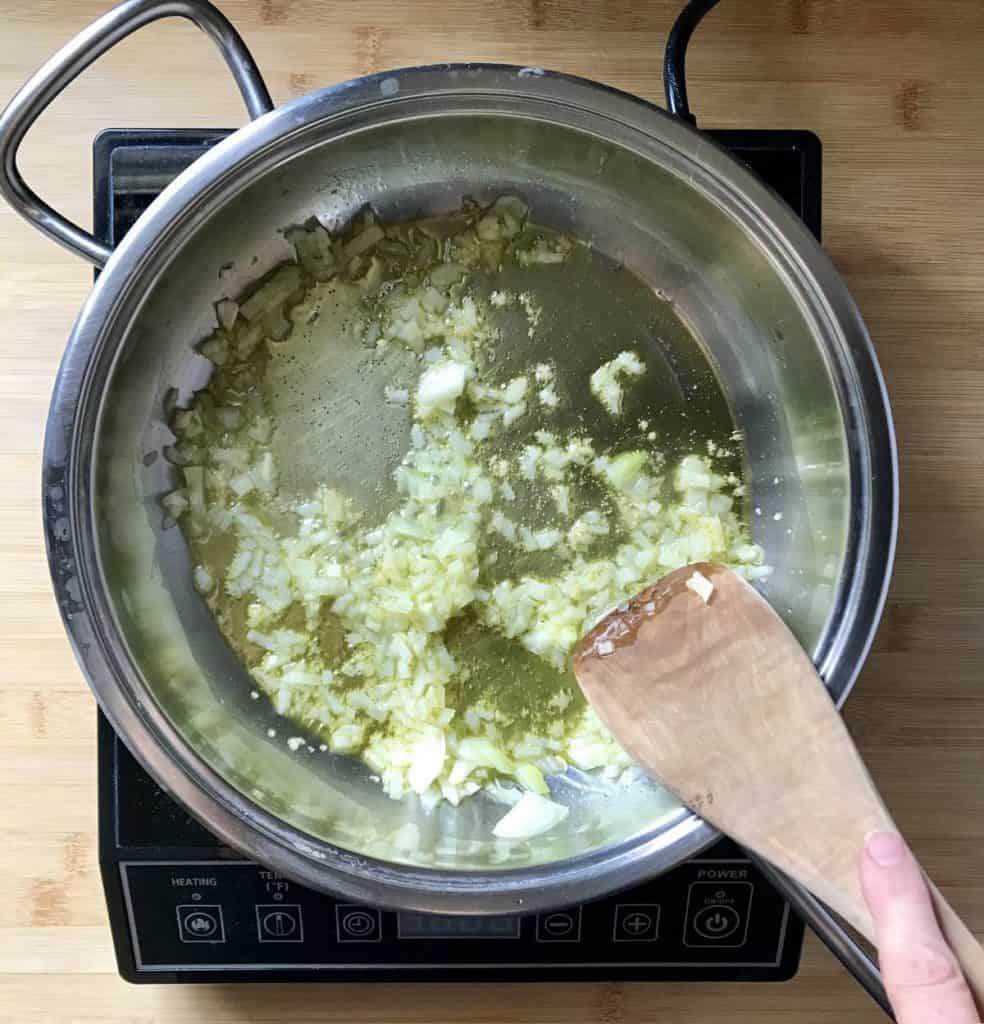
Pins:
x,y
921,974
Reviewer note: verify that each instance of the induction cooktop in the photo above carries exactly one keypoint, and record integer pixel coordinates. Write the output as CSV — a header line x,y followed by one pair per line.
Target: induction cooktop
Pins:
x,y
185,908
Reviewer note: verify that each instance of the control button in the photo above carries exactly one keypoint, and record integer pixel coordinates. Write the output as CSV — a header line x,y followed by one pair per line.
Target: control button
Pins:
x,y
200,922
636,922
560,926
279,922
717,914
357,923
716,922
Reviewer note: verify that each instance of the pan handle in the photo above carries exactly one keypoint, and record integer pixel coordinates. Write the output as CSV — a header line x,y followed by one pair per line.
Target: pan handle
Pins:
x,y
831,932
70,61
675,58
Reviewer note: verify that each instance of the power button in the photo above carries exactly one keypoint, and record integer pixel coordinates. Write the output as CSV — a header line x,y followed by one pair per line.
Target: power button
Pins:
x,y
716,922
717,914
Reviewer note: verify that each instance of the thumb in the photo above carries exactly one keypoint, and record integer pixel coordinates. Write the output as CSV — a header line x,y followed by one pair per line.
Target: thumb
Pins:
x,y
920,972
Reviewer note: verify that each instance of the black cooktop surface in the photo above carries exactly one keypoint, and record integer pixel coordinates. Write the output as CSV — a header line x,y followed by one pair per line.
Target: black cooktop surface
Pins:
x,y
185,908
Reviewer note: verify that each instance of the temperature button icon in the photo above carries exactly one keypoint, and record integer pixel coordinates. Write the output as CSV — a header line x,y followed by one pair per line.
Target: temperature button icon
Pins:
x,y
279,922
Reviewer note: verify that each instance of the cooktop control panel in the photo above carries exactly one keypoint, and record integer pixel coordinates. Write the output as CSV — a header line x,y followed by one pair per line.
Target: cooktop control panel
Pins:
x,y
711,915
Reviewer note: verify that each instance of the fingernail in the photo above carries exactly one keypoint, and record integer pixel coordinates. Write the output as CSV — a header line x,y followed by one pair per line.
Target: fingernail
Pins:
x,y
886,849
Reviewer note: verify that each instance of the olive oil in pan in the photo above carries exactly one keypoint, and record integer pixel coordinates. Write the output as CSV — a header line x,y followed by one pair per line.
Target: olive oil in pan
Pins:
x,y
325,386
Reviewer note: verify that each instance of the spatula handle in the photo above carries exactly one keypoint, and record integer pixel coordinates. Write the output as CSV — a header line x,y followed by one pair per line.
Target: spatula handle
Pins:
x,y
839,887
836,938
965,947
837,884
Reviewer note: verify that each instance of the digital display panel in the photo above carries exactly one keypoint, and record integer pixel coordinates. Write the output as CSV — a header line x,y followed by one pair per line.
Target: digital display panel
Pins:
x,y
449,926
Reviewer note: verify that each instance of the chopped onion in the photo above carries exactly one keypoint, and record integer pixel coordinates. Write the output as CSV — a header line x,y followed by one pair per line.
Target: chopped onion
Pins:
x,y
280,287
440,387
531,816
175,503
701,586
605,382
428,760
396,579
364,241
226,310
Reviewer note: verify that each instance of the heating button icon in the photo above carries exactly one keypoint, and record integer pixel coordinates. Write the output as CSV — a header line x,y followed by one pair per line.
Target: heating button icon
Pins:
x,y
200,922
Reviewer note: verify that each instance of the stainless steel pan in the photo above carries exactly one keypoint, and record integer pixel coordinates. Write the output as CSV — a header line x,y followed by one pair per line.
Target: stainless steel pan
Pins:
x,y
646,188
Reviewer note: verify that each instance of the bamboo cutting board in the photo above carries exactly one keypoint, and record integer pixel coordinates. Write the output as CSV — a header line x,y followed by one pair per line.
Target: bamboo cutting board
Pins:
x,y
895,88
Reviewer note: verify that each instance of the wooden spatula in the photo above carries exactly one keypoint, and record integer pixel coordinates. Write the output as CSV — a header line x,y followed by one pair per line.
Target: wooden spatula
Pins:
x,y
714,697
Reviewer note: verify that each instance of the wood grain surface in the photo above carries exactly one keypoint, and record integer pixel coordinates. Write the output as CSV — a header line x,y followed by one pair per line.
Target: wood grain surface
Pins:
x,y
895,88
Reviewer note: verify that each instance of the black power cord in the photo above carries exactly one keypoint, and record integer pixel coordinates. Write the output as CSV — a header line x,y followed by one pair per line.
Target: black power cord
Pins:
x,y
675,59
